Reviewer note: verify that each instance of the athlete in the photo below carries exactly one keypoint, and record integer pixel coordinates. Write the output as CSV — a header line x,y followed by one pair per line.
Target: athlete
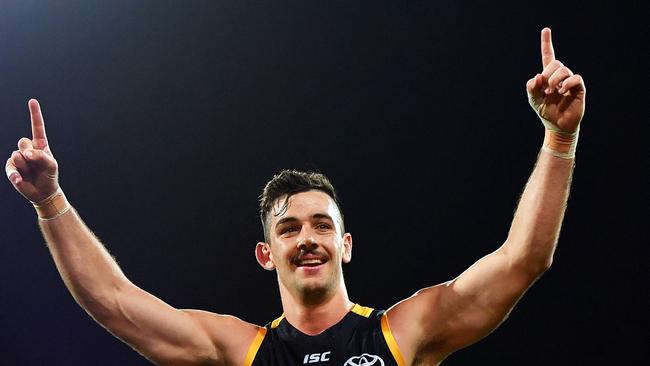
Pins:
x,y
306,245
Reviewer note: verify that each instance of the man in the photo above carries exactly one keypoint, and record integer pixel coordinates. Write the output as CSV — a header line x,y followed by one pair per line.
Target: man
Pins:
x,y
306,244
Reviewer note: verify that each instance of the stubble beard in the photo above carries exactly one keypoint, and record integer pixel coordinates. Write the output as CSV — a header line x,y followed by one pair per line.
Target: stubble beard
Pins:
x,y
319,290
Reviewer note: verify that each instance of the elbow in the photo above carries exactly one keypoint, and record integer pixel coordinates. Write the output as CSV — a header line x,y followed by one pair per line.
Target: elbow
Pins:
x,y
535,266
534,258
538,267
546,265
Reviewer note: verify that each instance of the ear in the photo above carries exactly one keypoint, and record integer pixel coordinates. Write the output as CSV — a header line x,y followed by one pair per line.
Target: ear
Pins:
x,y
264,256
347,247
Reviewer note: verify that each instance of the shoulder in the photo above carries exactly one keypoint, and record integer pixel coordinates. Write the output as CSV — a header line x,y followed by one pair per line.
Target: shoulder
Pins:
x,y
417,323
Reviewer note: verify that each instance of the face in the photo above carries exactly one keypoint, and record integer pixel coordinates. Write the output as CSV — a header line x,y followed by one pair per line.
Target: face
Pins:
x,y
307,246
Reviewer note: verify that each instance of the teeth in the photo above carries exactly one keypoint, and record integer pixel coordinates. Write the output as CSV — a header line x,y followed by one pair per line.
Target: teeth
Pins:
x,y
310,261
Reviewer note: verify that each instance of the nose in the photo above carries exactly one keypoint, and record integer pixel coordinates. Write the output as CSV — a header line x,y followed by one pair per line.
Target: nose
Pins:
x,y
306,241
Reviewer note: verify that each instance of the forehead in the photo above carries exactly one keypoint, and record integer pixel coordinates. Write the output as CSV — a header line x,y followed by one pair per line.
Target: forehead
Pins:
x,y
305,204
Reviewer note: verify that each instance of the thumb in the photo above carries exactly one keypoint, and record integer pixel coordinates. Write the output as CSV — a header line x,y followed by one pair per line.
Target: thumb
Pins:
x,y
534,90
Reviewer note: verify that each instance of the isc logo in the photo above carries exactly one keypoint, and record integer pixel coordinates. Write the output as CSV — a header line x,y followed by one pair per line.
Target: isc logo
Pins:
x,y
317,357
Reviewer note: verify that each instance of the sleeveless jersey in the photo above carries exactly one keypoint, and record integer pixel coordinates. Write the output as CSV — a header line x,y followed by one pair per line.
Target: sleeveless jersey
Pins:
x,y
361,338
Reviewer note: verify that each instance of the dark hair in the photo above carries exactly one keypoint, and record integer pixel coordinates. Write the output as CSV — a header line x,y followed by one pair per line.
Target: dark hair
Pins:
x,y
287,183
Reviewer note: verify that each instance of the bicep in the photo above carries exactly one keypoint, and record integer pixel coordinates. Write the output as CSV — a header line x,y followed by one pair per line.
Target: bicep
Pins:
x,y
444,318
478,300
167,335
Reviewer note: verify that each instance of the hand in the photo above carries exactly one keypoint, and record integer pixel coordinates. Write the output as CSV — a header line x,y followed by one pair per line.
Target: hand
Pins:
x,y
557,95
32,169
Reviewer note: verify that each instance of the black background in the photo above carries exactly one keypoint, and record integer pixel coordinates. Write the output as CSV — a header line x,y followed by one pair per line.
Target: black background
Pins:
x,y
167,118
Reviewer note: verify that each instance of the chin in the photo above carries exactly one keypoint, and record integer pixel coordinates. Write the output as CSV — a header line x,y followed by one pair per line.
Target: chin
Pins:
x,y
317,286
315,294
313,286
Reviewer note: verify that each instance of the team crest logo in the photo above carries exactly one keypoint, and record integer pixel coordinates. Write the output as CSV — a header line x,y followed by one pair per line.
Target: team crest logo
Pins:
x,y
364,360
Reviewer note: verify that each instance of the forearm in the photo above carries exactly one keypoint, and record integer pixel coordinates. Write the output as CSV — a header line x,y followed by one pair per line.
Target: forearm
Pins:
x,y
536,225
88,270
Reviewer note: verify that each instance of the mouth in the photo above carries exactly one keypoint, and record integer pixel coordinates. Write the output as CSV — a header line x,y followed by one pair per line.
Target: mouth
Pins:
x,y
309,261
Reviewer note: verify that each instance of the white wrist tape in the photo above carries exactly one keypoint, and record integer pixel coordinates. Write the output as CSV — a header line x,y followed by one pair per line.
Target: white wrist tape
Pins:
x,y
53,206
561,144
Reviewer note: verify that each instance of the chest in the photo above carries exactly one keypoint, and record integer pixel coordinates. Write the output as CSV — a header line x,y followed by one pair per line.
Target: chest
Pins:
x,y
344,346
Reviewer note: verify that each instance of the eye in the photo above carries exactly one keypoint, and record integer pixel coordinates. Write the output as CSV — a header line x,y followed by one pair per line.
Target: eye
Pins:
x,y
323,226
288,230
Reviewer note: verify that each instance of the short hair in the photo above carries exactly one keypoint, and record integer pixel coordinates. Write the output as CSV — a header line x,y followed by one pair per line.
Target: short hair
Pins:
x,y
287,183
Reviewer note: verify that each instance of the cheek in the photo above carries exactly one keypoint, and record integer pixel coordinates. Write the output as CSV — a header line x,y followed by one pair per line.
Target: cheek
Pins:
x,y
339,249
278,253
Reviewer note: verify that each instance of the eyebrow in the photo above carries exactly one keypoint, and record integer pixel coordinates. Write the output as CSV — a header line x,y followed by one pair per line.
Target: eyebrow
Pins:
x,y
316,216
322,216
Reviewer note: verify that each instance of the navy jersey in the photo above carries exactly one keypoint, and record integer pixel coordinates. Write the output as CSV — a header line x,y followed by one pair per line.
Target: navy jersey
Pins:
x,y
361,338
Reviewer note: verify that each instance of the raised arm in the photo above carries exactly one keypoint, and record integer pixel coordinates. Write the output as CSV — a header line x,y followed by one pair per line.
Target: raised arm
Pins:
x,y
441,319
158,331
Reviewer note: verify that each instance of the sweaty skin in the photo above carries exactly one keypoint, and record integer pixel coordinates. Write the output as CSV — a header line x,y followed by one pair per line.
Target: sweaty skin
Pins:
x,y
307,249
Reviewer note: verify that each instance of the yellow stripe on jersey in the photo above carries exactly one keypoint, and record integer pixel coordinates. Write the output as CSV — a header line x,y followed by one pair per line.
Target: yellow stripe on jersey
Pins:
x,y
362,310
255,346
277,321
390,340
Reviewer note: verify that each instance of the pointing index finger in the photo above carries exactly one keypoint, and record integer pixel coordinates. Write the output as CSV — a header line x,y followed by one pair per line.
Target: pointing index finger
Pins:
x,y
548,55
38,126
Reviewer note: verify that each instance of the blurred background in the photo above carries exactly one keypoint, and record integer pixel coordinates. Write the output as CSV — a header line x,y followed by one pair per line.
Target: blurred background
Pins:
x,y
167,118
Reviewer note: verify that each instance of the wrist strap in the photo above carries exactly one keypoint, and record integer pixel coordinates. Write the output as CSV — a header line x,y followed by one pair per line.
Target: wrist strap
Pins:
x,y
561,144
53,206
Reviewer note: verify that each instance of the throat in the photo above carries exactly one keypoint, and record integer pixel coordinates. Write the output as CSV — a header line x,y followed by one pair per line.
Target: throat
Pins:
x,y
315,323
315,311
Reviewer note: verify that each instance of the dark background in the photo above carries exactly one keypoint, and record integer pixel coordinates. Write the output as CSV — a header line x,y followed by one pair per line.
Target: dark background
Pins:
x,y
167,118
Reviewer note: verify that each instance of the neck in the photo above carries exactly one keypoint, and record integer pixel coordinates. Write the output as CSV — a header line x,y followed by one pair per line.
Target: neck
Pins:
x,y
313,317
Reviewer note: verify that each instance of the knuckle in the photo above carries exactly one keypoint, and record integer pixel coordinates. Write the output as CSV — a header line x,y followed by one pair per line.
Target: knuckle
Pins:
x,y
24,141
